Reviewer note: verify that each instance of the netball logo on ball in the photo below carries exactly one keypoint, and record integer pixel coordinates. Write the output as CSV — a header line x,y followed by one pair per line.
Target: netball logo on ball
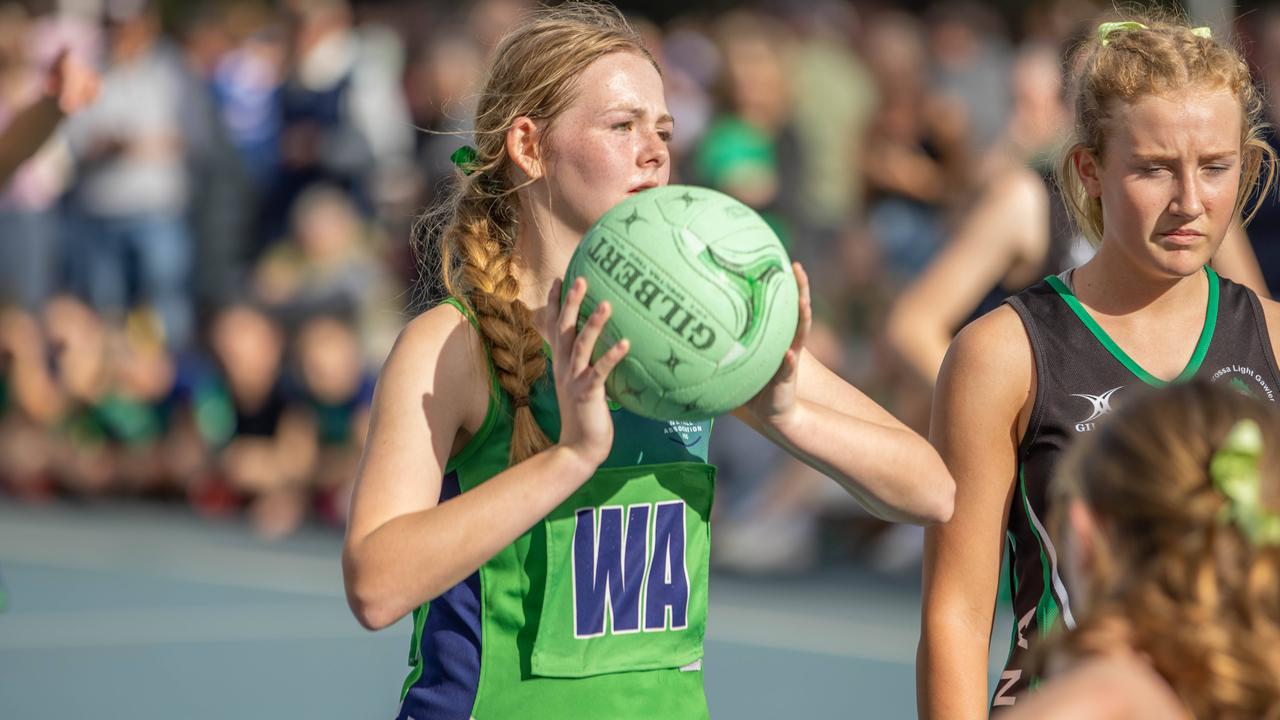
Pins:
x,y
1101,406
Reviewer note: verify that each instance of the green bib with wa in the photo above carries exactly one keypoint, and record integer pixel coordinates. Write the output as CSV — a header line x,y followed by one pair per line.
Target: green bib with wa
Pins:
x,y
599,610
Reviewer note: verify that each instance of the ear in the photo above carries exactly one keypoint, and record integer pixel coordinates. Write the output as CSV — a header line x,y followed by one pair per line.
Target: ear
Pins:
x,y
524,146
1088,167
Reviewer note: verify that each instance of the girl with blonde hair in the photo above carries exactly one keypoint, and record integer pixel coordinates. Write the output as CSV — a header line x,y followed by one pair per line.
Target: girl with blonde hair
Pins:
x,y
1166,151
553,552
1168,520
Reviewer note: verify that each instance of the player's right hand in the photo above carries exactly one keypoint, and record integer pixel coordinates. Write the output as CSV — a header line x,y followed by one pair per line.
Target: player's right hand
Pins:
x,y
586,427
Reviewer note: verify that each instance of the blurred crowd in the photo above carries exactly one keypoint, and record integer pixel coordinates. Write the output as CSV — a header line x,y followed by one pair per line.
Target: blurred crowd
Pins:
x,y
201,272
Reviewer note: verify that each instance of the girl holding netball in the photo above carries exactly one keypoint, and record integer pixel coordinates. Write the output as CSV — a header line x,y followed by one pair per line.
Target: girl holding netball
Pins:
x,y
1166,151
1168,520
554,553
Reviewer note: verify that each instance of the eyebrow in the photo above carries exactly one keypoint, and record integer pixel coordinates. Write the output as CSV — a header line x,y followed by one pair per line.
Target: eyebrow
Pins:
x,y
1159,157
636,112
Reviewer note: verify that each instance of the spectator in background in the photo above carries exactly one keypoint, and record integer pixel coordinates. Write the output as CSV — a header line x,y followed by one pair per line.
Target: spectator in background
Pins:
x,y
1015,233
443,79
970,71
749,150
30,407
690,66
83,459
138,409
32,104
246,82
223,193
834,97
258,444
1264,230
343,116
328,265
337,390
129,243
912,149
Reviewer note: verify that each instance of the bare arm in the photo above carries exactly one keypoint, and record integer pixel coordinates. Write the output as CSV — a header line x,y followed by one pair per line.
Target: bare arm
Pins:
x,y
26,133
1104,688
833,427
70,86
1006,232
1235,260
985,382
403,547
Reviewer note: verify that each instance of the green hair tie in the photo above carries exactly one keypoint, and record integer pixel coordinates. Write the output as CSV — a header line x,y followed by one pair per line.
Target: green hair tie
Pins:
x,y
1106,28
1236,474
465,158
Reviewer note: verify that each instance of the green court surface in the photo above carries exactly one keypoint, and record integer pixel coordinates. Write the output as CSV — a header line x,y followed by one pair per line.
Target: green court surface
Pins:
x,y
144,612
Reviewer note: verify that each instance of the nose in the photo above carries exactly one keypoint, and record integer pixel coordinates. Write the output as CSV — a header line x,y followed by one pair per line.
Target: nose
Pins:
x,y
653,151
1186,201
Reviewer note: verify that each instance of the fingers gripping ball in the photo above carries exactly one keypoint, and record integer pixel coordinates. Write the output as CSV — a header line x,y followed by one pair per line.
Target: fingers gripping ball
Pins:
x,y
702,288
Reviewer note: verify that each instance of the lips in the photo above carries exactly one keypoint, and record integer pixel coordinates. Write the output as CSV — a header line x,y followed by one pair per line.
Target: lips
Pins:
x,y
641,188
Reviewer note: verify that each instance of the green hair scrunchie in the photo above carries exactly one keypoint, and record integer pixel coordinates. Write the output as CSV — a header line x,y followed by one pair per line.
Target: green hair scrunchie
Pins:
x,y
1106,28
1236,474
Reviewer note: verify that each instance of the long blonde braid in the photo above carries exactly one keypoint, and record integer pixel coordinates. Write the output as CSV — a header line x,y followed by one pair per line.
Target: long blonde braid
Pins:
x,y
533,75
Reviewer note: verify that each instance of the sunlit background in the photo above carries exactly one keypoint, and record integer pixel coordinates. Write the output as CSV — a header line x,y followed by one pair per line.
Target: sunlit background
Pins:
x,y
201,273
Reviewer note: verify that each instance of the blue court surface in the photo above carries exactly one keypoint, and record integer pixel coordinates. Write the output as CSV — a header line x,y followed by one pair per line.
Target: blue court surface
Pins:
x,y
145,612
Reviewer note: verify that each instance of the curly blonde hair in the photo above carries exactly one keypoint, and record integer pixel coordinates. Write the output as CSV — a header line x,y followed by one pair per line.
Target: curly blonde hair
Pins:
x,y
1172,580
1163,57
533,74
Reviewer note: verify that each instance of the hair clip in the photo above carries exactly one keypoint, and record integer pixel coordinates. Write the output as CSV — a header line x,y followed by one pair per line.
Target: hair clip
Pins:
x,y
1236,474
465,158
1106,28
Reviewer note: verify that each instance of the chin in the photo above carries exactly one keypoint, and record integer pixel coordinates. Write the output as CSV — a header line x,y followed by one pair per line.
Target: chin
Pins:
x,y
1182,263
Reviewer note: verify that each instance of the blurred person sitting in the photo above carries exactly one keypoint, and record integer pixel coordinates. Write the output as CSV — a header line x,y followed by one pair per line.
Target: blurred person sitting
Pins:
x,y
138,411
81,370
30,406
336,393
329,264
117,389
258,445
131,243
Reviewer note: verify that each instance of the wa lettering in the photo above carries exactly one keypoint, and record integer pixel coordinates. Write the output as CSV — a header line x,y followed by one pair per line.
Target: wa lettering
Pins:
x,y
629,572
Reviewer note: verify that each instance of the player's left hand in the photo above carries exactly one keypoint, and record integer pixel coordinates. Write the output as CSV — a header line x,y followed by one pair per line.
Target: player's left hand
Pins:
x,y
775,405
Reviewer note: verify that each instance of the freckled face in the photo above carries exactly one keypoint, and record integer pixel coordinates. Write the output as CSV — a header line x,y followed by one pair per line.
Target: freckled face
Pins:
x,y
610,142
1169,178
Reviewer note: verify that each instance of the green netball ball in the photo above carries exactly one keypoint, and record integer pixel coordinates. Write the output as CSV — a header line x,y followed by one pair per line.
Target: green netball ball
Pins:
x,y
704,291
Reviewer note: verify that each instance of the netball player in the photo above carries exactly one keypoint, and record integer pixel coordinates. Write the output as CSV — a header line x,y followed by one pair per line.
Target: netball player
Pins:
x,y
1168,519
1166,150
554,553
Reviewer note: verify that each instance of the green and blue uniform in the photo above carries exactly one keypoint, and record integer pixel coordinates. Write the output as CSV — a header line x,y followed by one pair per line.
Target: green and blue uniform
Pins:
x,y
600,608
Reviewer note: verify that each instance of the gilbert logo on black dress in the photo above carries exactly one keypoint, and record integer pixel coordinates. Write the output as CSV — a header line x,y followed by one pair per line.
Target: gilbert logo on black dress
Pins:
x,y
1101,405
